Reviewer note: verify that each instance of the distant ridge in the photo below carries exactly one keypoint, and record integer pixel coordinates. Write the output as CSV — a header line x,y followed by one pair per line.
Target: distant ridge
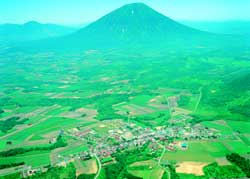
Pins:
x,y
32,30
236,27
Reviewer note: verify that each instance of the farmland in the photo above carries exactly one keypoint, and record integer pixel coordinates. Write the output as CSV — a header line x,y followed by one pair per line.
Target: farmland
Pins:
x,y
89,104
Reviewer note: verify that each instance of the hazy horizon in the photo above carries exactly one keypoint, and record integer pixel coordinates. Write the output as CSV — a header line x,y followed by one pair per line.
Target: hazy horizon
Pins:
x,y
79,12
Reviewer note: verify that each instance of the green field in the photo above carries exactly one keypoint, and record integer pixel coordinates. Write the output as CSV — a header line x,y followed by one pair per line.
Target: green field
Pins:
x,y
146,169
199,152
35,159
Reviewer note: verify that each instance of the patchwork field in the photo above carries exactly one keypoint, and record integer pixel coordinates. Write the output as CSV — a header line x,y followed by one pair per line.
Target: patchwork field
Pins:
x,y
63,108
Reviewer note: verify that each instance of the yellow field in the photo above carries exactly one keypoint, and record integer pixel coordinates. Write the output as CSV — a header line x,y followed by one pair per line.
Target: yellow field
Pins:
x,y
195,168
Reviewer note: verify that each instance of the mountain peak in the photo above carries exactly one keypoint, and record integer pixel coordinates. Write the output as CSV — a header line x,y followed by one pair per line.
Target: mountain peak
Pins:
x,y
134,9
29,23
133,22
136,5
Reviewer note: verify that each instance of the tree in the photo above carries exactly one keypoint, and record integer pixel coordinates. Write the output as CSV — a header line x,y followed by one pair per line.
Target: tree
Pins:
x,y
241,162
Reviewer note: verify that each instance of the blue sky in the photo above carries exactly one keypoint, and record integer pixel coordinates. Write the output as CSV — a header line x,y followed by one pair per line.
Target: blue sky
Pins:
x,y
84,11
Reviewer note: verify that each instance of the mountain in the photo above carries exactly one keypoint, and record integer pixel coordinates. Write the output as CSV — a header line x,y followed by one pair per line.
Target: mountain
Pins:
x,y
134,24
131,26
13,33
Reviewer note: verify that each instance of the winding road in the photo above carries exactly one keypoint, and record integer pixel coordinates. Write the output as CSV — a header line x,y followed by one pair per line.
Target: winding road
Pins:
x,y
99,167
159,161
162,154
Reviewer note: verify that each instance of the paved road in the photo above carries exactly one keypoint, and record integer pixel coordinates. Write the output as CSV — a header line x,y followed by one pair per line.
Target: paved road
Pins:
x,y
99,167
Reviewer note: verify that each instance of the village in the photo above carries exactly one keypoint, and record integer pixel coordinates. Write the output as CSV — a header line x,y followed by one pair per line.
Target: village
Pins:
x,y
129,136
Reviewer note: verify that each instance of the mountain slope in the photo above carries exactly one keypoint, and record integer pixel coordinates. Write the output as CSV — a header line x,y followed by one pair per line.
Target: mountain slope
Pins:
x,y
13,33
132,23
131,26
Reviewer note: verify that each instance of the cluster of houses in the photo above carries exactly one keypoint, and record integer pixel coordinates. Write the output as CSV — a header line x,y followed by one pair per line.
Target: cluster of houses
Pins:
x,y
131,136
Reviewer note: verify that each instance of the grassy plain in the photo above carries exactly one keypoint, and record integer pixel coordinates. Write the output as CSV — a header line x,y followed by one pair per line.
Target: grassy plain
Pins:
x,y
61,92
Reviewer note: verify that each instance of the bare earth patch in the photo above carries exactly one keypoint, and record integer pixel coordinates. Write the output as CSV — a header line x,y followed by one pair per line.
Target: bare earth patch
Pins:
x,y
222,161
102,126
191,168
221,122
181,111
138,110
89,167
159,106
63,96
34,143
157,103
63,87
144,163
51,134
81,113
28,138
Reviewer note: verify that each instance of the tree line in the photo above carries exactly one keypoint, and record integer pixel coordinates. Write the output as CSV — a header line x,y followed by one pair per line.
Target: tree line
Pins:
x,y
16,151
3,166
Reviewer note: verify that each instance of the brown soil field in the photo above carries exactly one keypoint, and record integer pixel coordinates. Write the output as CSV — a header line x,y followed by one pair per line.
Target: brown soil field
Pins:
x,y
191,168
